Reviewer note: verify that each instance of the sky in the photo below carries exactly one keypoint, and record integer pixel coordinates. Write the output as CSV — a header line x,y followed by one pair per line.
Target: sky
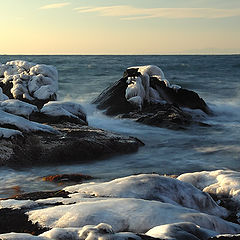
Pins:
x,y
120,26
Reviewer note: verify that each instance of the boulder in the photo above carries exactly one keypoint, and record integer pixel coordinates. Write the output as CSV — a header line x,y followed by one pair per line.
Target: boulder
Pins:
x,y
145,94
29,82
74,143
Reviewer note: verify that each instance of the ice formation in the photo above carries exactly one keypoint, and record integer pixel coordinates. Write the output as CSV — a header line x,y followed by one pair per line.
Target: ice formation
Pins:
x,y
60,108
8,133
18,107
180,231
20,236
23,124
152,187
139,89
127,214
29,80
220,182
126,207
17,204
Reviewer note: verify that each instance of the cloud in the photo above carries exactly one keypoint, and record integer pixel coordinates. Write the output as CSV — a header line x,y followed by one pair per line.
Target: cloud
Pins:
x,y
126,12
55,5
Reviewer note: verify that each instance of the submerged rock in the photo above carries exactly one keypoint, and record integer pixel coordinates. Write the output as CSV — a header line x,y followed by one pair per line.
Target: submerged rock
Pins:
x,y
60,178
144,94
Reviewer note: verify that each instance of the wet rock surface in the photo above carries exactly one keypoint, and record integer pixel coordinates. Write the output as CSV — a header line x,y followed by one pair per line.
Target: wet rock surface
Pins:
x,y
63,178
75,143
165,114
14,220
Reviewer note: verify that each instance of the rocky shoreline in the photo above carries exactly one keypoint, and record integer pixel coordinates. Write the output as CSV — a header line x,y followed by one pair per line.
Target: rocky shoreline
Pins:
x,y
35,130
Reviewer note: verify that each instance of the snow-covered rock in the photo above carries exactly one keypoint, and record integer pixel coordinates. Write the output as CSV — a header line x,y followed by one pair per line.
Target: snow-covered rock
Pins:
x,y
8,133
29,80
219,182
134,215
56,109
180,231
3,97
20,236
18,107
23,124
152,187
139,89
17,204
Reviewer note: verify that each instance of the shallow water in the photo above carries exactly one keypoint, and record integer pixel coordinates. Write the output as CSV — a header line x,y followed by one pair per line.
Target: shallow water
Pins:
x,y
81,78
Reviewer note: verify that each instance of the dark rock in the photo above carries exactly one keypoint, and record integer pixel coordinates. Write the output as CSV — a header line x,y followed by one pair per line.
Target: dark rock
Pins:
x,y
169,115
67,178
6,88
180,97
76,143
14,220
113,99
41,195
42,118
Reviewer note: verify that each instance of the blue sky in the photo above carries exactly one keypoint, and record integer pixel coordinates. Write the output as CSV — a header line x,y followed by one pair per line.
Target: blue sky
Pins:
x,y
119,26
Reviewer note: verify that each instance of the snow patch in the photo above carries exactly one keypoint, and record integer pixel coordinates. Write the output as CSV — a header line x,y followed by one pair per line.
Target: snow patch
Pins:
x,y
8,133
220,182
153,187
17,204
134,215
23,124
61,108
184,230
18,107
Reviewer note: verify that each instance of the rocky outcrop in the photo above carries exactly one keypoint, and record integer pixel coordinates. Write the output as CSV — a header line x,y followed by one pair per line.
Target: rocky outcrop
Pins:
x,y
29,82
74,143
144,94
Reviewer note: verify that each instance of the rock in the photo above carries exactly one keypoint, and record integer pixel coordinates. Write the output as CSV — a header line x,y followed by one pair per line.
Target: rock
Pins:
x,y
29,82
67,178
161,115
41,195
75,143
150,99
180,97
113,99
60,111
14,220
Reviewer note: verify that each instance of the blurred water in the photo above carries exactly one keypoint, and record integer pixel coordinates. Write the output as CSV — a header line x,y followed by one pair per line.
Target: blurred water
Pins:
x,y
81,78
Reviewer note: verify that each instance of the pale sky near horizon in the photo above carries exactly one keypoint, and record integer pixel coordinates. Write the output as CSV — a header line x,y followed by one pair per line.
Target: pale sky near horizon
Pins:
x,y
119,26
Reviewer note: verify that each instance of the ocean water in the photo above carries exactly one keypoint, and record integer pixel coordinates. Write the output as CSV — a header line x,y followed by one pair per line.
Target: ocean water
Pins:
x,y
81,78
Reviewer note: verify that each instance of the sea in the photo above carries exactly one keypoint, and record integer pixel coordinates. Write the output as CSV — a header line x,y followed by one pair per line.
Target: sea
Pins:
x,y
216,78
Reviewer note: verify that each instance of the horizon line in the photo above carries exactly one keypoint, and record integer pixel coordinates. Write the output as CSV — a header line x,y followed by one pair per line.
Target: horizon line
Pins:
x,y
111,54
